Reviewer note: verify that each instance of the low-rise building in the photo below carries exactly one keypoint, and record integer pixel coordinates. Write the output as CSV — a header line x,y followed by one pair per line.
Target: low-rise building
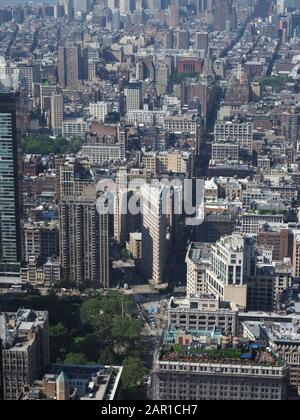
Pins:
x,y
76,383
202,312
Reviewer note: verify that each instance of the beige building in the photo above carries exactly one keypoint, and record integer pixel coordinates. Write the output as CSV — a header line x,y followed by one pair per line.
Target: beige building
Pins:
x,y
178,377
40,240
165,162
202,312
154,232
84,247
84,244
240,133
25,349
197,261
226,275
134,245
223,152
285,341
74,175
127,183
45,275
211,190
57,113
186,123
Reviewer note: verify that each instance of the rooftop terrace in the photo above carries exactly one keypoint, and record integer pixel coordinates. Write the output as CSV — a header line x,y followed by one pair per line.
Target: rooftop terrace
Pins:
x,y
190,354
200,346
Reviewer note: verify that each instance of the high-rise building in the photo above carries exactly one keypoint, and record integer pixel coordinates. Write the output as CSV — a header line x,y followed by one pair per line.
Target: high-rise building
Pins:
x,y
10,206
154,232
205,9
202,41
169,40
197,261
57,113
84,240
182,40
133,96
227,277
126,184
99,110
70,65
81,6
40,240
125,7
83,229
162,74
202,358
173,16
25,349
26,77
116,19
224,15
154,5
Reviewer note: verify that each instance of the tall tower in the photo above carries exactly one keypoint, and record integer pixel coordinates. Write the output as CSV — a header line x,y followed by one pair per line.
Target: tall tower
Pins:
x,y
173,16
84,245
225,16
10,236
57,113
154,232
70,65
134,96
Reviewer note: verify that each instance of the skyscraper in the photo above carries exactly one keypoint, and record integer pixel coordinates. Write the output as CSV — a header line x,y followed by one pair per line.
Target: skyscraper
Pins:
x,y
10,237
81,6
154,232
202,41
173,16
57,113
225,16
83,230
70,65
134,96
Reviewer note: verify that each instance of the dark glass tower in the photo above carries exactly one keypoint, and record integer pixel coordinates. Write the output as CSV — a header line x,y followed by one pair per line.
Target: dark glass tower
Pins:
x,y
10,240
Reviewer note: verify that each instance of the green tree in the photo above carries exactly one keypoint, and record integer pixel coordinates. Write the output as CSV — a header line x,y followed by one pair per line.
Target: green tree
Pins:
x,y
76,359
107,357
126,330
60,341
45,145
132,377
116,303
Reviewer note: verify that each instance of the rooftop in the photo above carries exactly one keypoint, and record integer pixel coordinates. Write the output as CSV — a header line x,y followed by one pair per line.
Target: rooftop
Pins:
x,y
86,383
199,252
243,354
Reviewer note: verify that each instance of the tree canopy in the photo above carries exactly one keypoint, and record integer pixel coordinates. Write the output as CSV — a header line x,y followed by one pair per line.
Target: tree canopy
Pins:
x,y
45,145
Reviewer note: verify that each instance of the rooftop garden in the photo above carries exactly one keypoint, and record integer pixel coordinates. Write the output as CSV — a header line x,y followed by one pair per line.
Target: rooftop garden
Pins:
x,y
192,354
